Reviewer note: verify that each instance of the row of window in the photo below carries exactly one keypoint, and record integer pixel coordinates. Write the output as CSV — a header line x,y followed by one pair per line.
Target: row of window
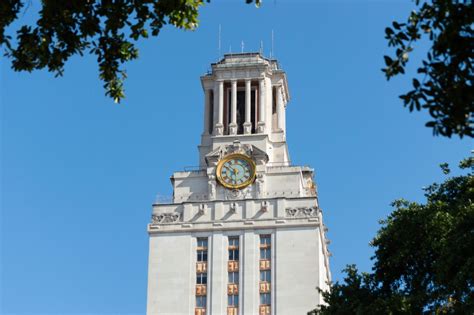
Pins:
x,y
201,277
233,276
265,275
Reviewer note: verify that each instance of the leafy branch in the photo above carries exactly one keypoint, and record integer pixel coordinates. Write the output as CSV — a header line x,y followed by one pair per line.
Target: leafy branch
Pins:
x,y
446,90
108,29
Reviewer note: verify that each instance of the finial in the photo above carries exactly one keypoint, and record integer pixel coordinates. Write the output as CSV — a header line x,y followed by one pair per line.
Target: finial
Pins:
x,y
271,51
219,43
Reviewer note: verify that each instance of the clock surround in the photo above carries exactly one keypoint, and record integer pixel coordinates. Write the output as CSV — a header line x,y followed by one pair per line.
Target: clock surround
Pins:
x,y
239,165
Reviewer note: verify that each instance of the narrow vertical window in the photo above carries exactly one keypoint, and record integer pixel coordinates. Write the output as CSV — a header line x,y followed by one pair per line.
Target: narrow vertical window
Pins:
x,y
240,111
211,112
233,274
201,276
253,110
265,275
274,110
228,110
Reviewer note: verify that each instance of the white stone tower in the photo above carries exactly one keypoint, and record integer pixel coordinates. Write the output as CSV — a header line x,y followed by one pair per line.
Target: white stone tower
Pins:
x,y
243,233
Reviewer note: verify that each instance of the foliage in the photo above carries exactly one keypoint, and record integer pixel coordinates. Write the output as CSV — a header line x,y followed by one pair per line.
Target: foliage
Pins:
x,y
359,294
445,89
105,28
424,257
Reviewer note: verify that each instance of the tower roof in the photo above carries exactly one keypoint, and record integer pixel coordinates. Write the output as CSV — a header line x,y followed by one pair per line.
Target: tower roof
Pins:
x,y
249,59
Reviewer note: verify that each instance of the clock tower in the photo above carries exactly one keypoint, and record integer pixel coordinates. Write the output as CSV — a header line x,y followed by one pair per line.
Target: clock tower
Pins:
x,y
243,233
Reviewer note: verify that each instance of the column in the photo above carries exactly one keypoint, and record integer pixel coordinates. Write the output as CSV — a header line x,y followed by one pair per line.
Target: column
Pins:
x,y
279,107
261,107
248,110
220,106
207,101
233,124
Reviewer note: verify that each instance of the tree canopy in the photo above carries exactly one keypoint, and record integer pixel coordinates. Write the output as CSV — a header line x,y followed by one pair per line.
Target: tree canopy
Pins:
x,y
108,29
444,86
424,257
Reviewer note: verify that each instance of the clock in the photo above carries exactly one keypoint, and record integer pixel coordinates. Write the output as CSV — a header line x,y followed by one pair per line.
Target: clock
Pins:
x,y
236,171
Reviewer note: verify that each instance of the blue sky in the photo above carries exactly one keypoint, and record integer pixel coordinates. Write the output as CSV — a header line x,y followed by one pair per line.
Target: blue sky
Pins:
x,y
79,173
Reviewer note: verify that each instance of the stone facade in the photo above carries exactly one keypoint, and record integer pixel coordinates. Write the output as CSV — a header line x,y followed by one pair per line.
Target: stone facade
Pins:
x,y
245,98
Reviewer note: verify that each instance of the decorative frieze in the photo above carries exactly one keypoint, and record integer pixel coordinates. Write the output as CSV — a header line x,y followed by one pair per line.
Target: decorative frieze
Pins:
x,y
302,212
170,217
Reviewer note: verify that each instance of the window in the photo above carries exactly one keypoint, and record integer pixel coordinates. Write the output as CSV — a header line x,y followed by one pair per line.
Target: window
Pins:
x,y
202,249
234,254
265,253
253,110
233,274
233,277
265,276
265,299
201,278
233,248
233,241
202,242
202,255
233,300
265,240
211,112
274,110
240,111
201,301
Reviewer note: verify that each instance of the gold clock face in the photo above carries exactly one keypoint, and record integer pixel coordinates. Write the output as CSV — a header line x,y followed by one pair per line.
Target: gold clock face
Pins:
x,y
236,171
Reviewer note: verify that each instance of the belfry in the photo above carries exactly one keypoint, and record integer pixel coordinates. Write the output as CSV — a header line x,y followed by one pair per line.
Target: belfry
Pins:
x,y
243,233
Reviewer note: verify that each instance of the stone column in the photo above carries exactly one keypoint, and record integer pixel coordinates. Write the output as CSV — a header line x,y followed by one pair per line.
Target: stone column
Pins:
x,y
233,124
261,107
207,94
279,107
248,110
220,103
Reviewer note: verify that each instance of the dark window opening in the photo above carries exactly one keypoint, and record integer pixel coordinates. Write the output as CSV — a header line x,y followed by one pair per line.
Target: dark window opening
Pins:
x,y
240,111
274,110
253,111
211,112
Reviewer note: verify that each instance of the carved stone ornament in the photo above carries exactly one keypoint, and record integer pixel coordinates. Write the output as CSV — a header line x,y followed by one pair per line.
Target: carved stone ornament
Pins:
x,y
259,156
264,207
233,194
202,209
302,212
260,185
212,187
170,217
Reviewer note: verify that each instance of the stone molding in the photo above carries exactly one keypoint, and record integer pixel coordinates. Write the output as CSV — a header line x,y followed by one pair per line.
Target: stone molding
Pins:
x,y
258,224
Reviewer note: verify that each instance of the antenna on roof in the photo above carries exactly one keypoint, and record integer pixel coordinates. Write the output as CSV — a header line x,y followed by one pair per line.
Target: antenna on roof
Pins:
x,y
219,43
271,51
242,46
261,47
